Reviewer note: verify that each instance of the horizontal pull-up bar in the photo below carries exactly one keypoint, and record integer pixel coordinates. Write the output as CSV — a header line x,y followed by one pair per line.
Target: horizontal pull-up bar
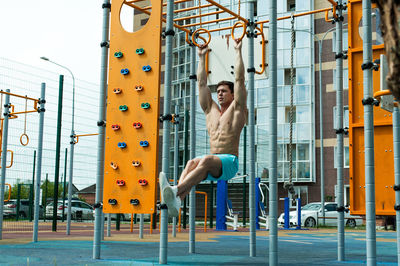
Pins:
x,y
84,135
227,10
19,96
208,22
200,15
300,14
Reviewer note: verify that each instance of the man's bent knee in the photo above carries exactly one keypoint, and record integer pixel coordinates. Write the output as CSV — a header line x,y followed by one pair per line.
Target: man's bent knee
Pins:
x,y
212,164
192,163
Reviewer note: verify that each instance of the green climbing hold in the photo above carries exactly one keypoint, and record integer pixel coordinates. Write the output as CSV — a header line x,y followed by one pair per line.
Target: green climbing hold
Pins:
x,y
140,51
118,54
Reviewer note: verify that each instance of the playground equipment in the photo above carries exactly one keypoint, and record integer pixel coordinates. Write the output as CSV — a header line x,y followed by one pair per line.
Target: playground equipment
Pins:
x,y
132,117
10,113
123,72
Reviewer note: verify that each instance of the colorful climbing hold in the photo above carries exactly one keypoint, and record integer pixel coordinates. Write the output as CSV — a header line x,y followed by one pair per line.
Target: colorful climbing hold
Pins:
x,y
123,108
138,87
136,163
115,127
146,68
145,105
124,71
134,201
117,90
143,182
140,51
120,182
118,54
144,143
112,201
122,145
114,165
137,125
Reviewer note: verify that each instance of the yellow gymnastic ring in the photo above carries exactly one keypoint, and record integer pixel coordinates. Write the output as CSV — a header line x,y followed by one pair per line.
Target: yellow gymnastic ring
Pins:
x,y
21,139
236,25
198,32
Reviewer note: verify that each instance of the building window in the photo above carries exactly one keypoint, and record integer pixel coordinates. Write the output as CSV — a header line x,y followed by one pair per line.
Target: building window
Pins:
x,y
287,114
287,76
291,5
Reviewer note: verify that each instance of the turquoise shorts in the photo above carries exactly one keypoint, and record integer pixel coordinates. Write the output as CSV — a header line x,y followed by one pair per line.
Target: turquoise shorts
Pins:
x,y
230,166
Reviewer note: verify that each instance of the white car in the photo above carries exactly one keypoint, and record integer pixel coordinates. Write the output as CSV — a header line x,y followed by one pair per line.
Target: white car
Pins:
x,y
79,210
312,213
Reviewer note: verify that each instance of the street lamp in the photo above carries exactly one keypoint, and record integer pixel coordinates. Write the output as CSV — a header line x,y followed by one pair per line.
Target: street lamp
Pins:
x,y
72,142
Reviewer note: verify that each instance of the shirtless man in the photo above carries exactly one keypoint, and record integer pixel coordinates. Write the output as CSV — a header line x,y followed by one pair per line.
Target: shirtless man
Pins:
x,y
224,124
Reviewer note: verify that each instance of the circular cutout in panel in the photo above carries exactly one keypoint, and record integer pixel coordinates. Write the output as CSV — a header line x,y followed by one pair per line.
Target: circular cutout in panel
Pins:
x,y
134,15
377,37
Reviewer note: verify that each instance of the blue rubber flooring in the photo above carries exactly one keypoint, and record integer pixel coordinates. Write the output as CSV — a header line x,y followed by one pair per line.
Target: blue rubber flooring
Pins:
x,y
295,249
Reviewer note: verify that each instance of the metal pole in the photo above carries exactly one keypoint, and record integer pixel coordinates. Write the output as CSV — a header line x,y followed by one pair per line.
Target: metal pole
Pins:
x,y
64,183
339,133
211,204
192,195
321,132
103,219
18,201
244,173
71,158
166,128
70,178
4,159
273,122
176,160
98,218
72,142
108,224
41,110
141,224
31,192
58,144
396,153
45,196
369,136
186,155
250,84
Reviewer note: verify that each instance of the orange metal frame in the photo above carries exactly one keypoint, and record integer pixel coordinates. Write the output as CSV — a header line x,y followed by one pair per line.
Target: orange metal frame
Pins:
x,y
84,135
223,9
383,133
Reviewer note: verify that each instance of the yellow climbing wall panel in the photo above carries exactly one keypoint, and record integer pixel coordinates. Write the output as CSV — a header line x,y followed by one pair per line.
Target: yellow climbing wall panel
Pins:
x,y
131,154
383,134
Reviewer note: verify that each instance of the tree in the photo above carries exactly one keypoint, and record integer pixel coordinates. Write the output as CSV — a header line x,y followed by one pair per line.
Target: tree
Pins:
x,y
50,190
390,20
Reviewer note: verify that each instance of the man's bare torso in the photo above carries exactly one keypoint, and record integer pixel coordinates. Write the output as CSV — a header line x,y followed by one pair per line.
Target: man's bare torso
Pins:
x,y
224,130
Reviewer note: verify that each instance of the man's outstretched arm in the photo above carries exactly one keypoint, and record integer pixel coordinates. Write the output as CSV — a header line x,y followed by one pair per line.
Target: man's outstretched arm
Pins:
x,y
240,92
205,98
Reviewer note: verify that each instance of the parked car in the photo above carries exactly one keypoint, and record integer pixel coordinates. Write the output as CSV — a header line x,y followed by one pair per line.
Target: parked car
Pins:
x,y
79,210
312,213
10,208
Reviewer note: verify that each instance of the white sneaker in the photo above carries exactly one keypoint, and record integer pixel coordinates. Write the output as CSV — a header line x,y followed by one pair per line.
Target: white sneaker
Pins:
x,y
173,202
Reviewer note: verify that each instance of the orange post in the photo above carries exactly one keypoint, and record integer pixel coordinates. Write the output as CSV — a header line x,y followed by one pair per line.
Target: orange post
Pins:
x,y
131,222
205,208
9,192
